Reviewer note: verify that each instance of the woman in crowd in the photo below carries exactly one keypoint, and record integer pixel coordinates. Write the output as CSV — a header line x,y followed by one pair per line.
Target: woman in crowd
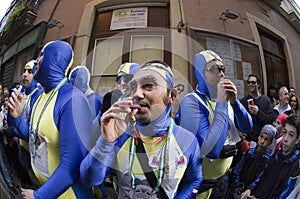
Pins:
x,y
294,103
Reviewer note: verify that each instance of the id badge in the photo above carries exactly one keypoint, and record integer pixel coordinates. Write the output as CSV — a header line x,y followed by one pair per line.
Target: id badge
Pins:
x,y
39,153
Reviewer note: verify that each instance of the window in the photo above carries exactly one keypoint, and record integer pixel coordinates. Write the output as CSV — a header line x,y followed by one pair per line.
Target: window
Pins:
x,y
145,48
108,49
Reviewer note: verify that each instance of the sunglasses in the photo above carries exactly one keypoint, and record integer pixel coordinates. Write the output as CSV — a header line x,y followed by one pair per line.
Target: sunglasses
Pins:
x,y
251,82
28,70
215,69
126,78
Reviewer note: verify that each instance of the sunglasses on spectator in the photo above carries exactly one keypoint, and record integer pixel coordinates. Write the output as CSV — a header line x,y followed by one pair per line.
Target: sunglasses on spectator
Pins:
x,y
126,78
251,82
28,70
215,69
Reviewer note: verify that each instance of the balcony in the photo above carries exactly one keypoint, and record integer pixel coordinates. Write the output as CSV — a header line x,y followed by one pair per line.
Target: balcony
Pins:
x,y
18,26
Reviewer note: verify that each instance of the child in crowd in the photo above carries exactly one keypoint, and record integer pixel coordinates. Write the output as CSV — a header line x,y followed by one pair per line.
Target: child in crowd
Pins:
x,y
278,179
279,124
254,161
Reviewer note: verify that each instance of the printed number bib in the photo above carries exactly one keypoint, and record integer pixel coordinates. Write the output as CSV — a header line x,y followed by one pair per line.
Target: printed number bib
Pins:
x,y
39,153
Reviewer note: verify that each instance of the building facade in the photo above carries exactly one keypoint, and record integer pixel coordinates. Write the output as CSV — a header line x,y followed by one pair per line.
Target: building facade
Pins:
x,y
251,36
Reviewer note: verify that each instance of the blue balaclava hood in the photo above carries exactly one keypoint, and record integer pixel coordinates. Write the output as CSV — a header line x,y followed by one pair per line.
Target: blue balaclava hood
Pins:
x,y
128,69
80,78
57,59
33,83
200,61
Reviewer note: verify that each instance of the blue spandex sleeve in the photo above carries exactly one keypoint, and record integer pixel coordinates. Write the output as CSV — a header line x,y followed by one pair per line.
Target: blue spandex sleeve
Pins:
x,y
242,118
97,163
21,127
192,178
194,117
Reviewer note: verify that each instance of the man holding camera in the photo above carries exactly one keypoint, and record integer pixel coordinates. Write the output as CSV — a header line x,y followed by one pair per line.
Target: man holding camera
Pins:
x,y
261,108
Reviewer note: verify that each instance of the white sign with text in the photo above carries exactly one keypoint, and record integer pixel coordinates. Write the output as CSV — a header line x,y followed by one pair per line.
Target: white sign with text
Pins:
x,y
129,18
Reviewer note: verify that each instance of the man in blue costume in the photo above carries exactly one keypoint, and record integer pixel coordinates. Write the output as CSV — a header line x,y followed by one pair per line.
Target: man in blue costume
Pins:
x,y
140,125
80,78
125,74
60,127
21,125
213,113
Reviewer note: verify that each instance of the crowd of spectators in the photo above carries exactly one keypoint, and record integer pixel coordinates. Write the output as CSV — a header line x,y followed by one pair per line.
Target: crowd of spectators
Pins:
x,y
59,139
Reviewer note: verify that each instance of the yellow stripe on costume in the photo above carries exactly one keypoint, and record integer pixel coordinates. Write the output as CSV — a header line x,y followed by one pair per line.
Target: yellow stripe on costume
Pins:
x,y
49,136
125,68
213,169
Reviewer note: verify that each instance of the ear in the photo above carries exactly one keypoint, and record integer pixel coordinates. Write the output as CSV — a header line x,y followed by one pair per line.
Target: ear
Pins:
x,y
172,95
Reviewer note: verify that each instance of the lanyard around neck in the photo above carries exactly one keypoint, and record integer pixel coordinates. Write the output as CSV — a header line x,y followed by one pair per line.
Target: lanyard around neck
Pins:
x,y
54,91
163,157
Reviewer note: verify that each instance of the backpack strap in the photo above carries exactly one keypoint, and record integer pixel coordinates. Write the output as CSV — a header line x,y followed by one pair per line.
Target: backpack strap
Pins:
x,y
148,171
209,108
199,99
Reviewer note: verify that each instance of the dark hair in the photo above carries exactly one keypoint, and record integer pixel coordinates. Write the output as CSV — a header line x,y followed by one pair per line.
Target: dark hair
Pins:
x,y
297,99
273,86
294,120
257,79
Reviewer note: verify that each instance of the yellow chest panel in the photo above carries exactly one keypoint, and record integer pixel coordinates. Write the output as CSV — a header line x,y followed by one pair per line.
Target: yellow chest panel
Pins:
x,y
177,162
46,146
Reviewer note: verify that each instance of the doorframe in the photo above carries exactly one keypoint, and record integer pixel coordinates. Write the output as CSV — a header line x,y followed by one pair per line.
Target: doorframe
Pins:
x,y
254,22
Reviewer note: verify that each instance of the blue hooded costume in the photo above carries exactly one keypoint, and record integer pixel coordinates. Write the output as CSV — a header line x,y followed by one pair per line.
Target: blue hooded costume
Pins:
x,y
80,78
180,178
209,120
21,125
60,128
113,96
31,94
